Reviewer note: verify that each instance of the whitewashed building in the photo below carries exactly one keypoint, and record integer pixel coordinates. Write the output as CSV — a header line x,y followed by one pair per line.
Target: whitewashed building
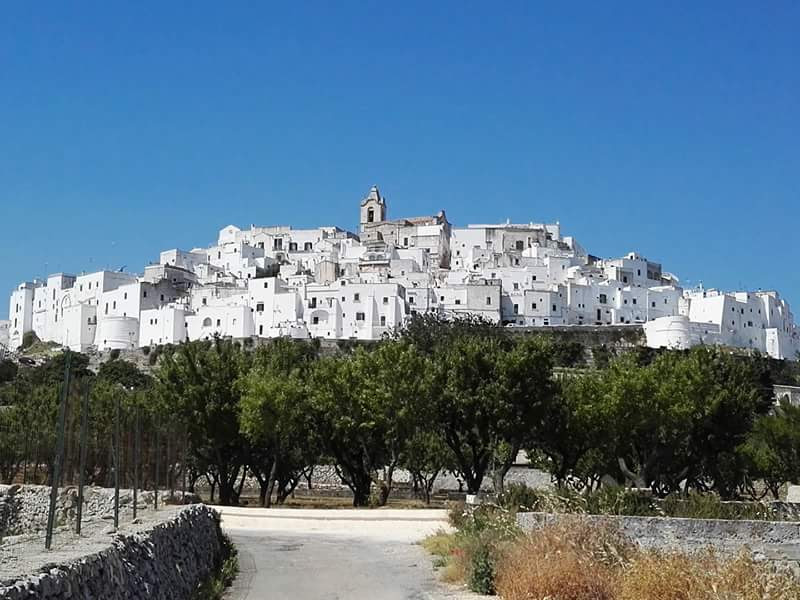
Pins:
x,y
330,283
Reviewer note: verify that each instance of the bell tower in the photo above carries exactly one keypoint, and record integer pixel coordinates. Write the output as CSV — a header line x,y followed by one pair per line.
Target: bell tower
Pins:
x,y
373,208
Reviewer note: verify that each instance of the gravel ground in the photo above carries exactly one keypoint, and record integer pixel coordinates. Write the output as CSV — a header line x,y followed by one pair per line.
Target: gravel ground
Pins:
x,y
25,554
336,554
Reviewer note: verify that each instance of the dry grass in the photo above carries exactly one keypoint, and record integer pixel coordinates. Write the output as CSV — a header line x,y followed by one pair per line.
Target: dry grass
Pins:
x,y
569,560
704,577
572,560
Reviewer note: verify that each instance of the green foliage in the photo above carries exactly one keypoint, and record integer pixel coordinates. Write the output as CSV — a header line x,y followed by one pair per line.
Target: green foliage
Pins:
x,y
275,415
29,338
124,373
8,370
216,586
483,535
773,450
199,383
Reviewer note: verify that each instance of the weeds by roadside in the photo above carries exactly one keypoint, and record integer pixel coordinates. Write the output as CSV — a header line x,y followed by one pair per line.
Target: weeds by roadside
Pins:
x,y
215,587
573,559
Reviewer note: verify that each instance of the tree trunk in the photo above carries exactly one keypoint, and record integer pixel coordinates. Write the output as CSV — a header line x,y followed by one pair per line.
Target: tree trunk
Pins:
x,y
271,482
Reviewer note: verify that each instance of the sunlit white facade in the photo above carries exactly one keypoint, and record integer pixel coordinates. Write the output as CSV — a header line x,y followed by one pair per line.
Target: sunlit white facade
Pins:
x,y
331,283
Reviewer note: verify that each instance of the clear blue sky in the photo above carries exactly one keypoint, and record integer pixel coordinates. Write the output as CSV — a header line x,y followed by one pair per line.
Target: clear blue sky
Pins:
x,y
672,130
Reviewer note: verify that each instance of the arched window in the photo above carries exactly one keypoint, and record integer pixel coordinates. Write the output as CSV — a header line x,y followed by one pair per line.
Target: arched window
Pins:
x,y
307,246
207,322
371,215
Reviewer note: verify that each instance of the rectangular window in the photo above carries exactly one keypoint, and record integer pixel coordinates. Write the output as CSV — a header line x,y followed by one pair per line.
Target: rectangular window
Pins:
x,y
634,300
266,284
386,300
315,320
458,301
603,298
488,300
383,321
554,308
360,316
516,309
260,307
533,306
411,299
219,322
260,330
144,294
653,304
516,285
356,297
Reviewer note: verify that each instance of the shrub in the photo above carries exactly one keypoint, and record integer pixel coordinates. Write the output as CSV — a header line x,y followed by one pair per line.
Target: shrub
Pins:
x,y
710,506
29,338
518,497
114,354
145,350
612,500
472,553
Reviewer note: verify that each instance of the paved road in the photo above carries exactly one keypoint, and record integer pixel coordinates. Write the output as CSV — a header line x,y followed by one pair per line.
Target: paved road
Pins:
x,y
335,554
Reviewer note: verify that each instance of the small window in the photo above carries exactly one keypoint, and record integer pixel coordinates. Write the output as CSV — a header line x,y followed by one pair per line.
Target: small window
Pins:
x,y
308,246
488,300
360,316
162,297
520,245
205,301
554,308
315,320
533,306
266,284
603,298
411,299
114,305
383,321
516,309
634,300
260,330
385,300
207,322
653,304
260,307
405,241
292,246
144,294
356,297
458,300
219,322
516,285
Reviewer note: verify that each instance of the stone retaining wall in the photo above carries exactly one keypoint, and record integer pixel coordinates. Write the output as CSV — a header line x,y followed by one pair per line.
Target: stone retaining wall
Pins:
x,y
167,561
772,540
24,508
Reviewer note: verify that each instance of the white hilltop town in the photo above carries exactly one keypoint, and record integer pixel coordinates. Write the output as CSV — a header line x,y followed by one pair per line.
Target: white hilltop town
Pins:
x,y
331,283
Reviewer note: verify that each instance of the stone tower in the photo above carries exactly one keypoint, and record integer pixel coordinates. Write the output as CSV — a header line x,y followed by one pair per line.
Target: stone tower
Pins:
x,y
373,208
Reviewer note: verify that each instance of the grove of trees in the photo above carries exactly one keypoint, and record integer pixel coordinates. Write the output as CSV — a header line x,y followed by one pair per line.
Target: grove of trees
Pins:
x,y
459,395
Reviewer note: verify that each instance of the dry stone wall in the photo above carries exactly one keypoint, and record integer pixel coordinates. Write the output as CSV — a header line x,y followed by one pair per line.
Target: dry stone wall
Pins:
x,y
166,561
24,508
777,541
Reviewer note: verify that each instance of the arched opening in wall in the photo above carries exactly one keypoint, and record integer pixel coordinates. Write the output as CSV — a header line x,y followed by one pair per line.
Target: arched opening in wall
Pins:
x,y
308,246
207,322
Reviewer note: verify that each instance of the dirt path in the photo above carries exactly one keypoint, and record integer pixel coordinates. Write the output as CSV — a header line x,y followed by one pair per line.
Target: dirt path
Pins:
x,y
335,554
